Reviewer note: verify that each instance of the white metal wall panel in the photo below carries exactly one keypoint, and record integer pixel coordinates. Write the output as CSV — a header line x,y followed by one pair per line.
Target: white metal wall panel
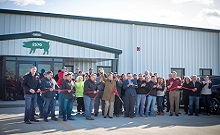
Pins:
x,y
161,48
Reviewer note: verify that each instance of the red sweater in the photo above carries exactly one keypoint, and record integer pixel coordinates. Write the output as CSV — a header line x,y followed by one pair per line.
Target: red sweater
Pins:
x,y
176,82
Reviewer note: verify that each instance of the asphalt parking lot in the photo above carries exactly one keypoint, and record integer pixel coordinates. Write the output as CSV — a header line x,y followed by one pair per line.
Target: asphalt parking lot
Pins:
x,y
11,122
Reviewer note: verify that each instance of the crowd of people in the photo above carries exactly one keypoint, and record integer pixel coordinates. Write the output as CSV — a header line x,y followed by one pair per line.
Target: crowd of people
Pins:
x,y
131,95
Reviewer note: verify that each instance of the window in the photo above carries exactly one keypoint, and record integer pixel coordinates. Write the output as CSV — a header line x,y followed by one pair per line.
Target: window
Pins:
x,y
180,72
204,71
70,68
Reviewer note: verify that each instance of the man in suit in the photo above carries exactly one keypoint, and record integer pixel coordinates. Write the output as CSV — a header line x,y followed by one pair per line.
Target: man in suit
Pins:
x,y
130,86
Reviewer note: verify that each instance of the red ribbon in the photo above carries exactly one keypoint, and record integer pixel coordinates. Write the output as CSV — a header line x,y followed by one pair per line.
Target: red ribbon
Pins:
x,y
181,87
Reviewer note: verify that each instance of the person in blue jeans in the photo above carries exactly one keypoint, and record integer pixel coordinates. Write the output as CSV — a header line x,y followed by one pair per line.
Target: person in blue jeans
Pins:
x,y
69,96
152,87
90,91
31,85
160,95
49,96
141,96
194,96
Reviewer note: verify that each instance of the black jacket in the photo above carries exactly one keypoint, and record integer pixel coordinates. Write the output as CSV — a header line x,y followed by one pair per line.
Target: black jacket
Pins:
x,y
67,85
30,82
119,85
186,92
198,85
141,90
46,84
90,86
101,86
149,87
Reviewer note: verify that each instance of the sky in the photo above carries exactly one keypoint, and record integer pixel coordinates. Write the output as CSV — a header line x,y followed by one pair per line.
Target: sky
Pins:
x,y
193,13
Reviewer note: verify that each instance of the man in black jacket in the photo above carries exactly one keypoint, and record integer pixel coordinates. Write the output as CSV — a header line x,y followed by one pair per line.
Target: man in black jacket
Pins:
x,y
69,95
90,91
194,96
141,96
49,96
31,85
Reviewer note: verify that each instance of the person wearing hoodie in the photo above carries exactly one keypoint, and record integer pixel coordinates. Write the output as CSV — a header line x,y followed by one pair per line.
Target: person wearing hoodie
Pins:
x,y
152,86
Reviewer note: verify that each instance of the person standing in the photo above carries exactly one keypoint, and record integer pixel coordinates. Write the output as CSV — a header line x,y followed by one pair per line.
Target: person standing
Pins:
x,y
206,94
152,86
31,85
141,96
130,87
167,94
79,86
100,88
174,84
194,96
118,104
160,95
109,95
186,84
68,95
90,91
49,96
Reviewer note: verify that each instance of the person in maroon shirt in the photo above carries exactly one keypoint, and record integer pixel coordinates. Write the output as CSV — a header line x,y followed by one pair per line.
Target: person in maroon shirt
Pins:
x,y
174,84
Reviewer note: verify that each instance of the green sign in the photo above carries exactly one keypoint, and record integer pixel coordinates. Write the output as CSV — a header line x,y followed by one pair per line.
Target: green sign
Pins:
x,y
33,45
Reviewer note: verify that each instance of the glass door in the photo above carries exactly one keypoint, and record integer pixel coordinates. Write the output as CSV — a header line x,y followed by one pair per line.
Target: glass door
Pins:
x,y
43,67
23,68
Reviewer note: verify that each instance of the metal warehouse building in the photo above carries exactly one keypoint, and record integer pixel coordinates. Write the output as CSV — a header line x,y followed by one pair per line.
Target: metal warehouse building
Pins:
x,y
51,41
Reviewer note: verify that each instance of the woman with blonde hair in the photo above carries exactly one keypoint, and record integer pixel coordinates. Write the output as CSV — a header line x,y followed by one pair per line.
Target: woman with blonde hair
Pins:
x,y
160,94
186,84
79,86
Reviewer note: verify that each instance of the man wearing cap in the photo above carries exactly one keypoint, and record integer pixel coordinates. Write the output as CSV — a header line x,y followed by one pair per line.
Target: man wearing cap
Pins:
x,y
76,74
68,95
49,96
90,91
174,84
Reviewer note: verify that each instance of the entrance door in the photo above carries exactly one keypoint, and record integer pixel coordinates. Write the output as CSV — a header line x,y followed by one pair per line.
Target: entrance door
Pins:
x,y
22,69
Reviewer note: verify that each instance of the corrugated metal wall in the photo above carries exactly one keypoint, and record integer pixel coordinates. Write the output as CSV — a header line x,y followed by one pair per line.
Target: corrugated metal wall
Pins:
x,y
160,48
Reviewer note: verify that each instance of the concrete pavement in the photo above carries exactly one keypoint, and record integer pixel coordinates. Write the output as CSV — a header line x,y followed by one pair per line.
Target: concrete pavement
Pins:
x,y
11,122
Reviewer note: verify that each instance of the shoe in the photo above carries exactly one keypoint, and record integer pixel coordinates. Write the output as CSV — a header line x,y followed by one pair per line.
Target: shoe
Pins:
x,y
89,119
27,122
35,120
177,114
117,115
204,113
186,112
104,116
110,117
126,116
158,113
64,119
55,119
171,114
70,119
96,115
197,114
208,114
190,114
167,111
161,114
46,120
131,116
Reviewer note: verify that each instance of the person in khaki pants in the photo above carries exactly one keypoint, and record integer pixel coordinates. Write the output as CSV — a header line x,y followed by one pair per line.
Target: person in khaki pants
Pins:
x,y
109,95
174,84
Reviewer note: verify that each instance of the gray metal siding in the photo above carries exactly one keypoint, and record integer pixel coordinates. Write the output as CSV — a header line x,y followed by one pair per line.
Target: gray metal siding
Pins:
x,y
162,48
